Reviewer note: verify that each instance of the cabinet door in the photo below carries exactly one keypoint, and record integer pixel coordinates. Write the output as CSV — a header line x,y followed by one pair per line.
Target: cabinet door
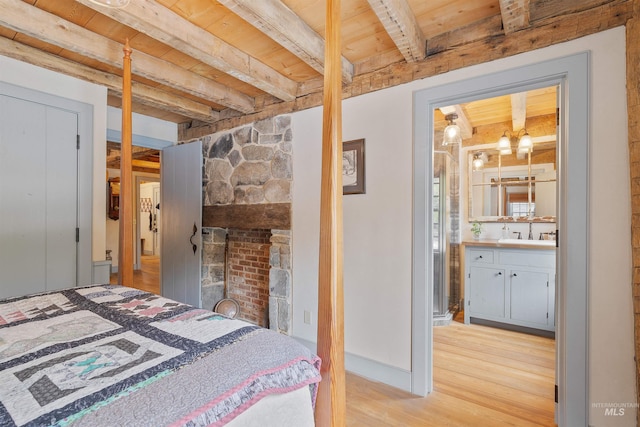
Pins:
x,y
530,297
486,293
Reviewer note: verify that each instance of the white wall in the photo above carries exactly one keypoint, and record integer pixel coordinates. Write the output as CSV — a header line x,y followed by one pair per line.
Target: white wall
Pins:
x,y
146,131
36,78
378,235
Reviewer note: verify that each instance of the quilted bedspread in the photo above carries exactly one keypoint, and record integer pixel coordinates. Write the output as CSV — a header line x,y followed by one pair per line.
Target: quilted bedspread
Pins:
x,y
112,355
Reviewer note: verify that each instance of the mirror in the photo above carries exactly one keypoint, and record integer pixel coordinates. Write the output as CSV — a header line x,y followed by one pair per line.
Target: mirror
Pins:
x,y
520,183
508,186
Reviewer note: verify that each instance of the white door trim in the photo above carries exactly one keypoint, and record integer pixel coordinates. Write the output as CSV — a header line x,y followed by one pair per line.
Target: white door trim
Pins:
x,y
572,279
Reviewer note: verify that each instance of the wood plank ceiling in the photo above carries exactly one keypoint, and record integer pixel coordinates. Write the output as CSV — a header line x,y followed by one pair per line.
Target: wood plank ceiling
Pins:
x,y
211,65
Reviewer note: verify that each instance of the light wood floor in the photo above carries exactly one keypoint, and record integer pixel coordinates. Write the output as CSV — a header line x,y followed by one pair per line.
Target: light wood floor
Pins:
x,y
482,377
148,277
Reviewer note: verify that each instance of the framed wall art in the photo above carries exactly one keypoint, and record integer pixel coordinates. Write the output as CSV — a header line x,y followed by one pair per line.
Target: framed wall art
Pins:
x,y
353,167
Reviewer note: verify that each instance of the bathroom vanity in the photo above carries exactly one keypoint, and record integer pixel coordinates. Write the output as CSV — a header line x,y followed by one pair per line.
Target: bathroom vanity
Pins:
x,y
510,282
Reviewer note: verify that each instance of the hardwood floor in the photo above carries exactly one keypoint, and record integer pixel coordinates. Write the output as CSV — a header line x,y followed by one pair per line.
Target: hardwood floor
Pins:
x,y
148,277
483,376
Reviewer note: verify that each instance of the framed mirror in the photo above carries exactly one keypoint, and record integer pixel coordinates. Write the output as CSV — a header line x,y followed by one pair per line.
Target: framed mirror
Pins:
x,y
508,156
513,186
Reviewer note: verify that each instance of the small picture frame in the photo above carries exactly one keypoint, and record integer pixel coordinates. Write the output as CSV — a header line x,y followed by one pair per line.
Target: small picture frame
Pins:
x,y
353,167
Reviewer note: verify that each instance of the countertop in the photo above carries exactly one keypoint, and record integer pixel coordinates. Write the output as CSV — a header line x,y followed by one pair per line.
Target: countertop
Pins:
x,y
531,244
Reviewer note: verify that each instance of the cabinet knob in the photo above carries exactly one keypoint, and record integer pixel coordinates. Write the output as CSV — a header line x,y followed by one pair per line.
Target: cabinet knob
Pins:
x,y
499,273
515,275
480,257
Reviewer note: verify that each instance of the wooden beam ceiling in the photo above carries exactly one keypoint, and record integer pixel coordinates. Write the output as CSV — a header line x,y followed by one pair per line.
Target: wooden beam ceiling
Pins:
x,y
162,24
142,93
515,15
52,29
142,159
401,25
275,19
214,65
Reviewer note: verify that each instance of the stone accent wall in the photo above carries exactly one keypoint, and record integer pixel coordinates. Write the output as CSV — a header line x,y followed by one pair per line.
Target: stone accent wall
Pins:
x,y
280,280
249,165
248,273
212,276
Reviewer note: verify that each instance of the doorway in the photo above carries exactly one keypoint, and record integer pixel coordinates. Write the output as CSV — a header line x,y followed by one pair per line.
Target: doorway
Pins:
x,y
572,179
494,327
146,176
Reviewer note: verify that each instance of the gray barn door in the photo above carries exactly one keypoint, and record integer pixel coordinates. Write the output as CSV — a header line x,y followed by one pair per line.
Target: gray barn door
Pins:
x,y
38,197
181,222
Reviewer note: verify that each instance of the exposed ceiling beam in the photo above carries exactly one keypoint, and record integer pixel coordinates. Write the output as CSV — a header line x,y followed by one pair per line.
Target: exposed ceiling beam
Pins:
x,y
277,21
466,129
518,111
401,25
515,15
141,93
483,29
160,23
24,18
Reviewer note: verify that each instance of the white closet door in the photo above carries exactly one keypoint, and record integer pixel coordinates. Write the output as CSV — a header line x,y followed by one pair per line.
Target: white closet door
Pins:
x,y
38,197
180,212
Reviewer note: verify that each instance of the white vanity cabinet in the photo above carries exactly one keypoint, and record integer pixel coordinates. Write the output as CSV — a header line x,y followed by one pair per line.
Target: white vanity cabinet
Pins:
x,y
510,285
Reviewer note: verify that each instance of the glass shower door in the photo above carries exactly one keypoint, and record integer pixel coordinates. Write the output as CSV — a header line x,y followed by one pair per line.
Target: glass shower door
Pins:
x,y
440,304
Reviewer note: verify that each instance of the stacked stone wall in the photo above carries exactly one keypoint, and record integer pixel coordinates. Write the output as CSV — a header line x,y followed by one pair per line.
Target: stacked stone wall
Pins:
x,y
249,165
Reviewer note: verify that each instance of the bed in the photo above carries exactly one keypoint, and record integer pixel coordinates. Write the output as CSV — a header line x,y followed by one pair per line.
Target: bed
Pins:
x,y
330,397
107,355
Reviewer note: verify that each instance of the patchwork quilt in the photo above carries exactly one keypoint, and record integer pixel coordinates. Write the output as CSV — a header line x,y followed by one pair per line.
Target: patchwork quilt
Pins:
x,y
112,355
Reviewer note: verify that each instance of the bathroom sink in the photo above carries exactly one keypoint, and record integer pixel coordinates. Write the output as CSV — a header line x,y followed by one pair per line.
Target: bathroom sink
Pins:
x,y
528,242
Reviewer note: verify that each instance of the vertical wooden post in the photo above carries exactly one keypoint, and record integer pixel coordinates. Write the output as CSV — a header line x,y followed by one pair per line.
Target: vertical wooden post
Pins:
x,y
330,404
633,110
125,249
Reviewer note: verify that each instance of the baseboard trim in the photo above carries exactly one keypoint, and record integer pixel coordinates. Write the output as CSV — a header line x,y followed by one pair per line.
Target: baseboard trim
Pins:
x,y
370,369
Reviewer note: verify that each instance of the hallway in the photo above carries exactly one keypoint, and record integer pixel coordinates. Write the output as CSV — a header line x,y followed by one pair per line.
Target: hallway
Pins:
x,y
147,278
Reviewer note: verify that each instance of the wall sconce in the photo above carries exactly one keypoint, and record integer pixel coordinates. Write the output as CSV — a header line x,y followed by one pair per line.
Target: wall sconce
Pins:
x,y
452,134
525,143
479,160
114,4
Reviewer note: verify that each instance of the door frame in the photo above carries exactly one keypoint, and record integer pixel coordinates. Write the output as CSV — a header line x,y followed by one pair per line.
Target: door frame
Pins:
x,y
572,253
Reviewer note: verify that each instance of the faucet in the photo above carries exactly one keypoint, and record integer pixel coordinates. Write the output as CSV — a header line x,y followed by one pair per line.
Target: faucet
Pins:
x,y
530,233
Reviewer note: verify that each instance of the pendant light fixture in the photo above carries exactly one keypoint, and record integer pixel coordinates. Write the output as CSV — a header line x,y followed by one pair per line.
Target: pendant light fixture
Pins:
x,y
114,4
452,134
